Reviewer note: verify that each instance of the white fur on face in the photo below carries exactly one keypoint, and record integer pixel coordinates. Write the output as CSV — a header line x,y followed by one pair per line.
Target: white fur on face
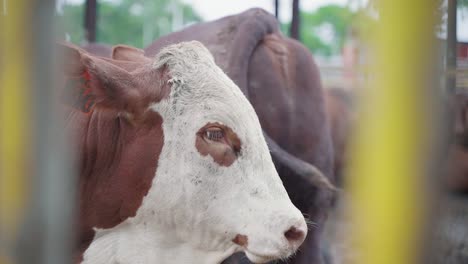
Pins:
x,y
196,207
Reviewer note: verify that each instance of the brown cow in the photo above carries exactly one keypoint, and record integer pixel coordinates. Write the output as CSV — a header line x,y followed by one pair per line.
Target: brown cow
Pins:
x,y
280,78
341,116
450,232
173,164
456,166
98,49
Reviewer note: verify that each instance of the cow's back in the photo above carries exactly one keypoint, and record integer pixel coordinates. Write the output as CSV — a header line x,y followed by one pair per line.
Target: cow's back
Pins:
x,y
231,40
99,49
341,116
288,99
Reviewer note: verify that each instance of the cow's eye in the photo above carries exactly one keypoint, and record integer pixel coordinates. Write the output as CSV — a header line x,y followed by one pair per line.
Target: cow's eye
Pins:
x,y
214,134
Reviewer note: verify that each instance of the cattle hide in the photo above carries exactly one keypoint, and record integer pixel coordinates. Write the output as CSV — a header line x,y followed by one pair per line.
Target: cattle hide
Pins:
x,y
456,167
98,49
341,117
282,81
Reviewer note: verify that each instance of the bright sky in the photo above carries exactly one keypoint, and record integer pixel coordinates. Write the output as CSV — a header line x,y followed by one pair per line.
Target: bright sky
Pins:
x,y
213,9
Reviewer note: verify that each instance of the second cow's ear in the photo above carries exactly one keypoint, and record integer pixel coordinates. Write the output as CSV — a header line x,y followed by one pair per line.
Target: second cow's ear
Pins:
x,y
127,53
92,81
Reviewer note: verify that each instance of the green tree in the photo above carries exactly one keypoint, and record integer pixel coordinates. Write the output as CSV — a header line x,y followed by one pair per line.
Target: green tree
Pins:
x,y
324,31
135,23
463,3
71,22
336,19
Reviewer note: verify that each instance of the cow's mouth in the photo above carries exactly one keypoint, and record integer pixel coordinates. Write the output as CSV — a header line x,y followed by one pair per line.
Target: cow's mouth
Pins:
x,y
260,258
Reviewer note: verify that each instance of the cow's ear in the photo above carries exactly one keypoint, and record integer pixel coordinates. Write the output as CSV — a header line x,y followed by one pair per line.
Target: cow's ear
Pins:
x,y
71,58
91,81
127,53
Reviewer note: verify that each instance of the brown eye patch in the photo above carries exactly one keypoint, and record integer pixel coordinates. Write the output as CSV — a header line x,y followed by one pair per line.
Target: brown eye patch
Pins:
x,y
218,141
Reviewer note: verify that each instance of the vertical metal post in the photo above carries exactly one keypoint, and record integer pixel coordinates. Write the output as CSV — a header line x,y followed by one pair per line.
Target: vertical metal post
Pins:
x,y
32,140
390,150
294,30
4,7
276,9
54,194
90,20
451,48
14,109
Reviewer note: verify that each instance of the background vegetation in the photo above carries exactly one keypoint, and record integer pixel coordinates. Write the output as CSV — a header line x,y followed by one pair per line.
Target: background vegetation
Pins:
x,y
139,22
132,22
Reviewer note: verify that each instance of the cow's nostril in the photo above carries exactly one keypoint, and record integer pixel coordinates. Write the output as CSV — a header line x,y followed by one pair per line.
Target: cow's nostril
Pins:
x,y
293,234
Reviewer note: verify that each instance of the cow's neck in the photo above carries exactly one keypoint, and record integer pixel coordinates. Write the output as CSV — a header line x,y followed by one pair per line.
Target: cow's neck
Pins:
x,y
134,242
118,162
103,142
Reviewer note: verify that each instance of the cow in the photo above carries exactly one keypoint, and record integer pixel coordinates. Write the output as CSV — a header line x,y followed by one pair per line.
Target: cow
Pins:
x,y
450,232
279,77
99,49
456,163
341,117
173,166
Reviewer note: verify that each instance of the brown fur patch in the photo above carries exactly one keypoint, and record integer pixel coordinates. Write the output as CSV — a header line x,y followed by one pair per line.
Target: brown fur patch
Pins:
x,y
118,164
224,151
118,142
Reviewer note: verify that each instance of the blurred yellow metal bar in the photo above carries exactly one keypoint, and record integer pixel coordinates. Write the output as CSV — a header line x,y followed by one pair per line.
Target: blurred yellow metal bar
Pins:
x,y
13,118
390,143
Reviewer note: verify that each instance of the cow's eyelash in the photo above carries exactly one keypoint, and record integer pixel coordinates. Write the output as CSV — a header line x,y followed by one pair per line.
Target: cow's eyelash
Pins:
x,y
214,135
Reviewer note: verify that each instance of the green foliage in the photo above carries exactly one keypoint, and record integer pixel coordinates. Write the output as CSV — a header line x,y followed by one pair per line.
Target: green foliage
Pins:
x,y
337,20
117,25
71,22
335,16
135,23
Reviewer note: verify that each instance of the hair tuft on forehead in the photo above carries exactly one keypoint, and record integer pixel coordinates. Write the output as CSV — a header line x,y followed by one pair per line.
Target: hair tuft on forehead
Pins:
x,y
183,57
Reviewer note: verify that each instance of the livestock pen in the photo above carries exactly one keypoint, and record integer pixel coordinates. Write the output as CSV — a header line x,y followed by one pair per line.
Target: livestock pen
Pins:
x,y
393,199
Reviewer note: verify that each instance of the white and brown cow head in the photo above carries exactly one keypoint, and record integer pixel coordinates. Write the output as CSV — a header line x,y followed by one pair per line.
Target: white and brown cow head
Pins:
x,y
215,189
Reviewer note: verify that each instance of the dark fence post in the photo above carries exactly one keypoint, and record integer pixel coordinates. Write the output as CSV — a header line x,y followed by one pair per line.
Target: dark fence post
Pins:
x,y
90,20
451,48
294,30
277,9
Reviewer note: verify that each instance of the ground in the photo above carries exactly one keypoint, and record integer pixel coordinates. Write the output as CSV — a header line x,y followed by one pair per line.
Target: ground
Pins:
x,y
450,237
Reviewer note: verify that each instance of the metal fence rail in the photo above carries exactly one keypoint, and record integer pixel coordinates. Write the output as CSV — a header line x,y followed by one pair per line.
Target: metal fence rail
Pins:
x,y
36,182
391,142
